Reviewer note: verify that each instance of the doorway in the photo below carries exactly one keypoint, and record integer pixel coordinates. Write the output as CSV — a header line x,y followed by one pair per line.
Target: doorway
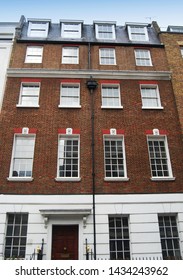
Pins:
x,y
65,242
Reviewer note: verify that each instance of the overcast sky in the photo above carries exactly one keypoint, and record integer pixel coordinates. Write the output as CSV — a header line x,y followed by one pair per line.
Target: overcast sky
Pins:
x,y
165,12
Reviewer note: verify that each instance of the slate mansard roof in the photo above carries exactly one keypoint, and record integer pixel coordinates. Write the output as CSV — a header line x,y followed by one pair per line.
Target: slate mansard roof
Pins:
x,y
87,33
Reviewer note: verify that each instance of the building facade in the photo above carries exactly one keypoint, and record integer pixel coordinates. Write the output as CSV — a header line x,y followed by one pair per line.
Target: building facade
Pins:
x,y
7,32
173,41
91,149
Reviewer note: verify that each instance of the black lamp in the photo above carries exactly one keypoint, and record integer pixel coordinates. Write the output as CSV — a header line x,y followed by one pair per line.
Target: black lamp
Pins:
x,y
91,84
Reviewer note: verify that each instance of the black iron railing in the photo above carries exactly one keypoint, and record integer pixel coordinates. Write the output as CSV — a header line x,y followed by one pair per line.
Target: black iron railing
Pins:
x,y
89,252
38,253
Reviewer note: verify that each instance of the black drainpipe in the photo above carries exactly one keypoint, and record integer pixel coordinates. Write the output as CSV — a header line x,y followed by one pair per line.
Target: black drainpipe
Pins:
x,y
92,85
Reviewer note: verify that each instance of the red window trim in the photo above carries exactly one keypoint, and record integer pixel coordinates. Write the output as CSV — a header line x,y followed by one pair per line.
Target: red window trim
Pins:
x,y
148,82
63,131
118,132
161,132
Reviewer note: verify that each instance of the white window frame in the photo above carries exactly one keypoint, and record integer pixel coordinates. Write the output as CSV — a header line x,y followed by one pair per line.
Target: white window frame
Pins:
x,y
107,56
15,237
38,29
105,86
149,87
71,58
29,84
116,226
143,57
68,32
110,158
158,160
68,137
70,85
14,150
169,236
137,33
34,54
101,35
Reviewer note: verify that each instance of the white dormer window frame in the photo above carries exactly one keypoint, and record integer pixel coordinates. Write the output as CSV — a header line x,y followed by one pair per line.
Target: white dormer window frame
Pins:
x,y
138,33
105,31
38,29
71,29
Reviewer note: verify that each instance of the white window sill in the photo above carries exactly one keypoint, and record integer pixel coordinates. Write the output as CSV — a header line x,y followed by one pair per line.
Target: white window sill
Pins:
x,y
108,64
162,178
153,108
67,107
26,106
67,179
112,107
33,62
20,179
70,63
144,65
117,179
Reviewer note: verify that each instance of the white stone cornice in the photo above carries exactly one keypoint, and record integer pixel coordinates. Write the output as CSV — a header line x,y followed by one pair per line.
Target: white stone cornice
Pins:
x,y
96,74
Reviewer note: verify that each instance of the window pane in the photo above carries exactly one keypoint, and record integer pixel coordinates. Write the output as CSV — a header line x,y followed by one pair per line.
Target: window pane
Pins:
x,y
107,56
68,157
150,97
114,158
71,30
110,96
29,95
119,246
143,57
169,236
158,159
23,156
70,55
106,31
34,55
69,95
16,235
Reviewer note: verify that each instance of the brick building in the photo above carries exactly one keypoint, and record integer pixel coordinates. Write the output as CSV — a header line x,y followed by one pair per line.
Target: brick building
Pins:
x,y
173,41
91,150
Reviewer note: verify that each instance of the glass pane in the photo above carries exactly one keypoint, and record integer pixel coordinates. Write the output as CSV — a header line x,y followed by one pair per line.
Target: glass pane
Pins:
x,y
17,231
9,230
8,241
11,218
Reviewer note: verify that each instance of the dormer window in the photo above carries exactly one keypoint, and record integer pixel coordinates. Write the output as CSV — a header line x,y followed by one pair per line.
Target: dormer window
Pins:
x,y
38,29
105,31
177,29
71,29
137,32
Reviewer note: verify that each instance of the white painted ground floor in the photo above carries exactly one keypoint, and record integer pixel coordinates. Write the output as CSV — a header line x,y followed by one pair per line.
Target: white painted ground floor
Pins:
x,y
127,226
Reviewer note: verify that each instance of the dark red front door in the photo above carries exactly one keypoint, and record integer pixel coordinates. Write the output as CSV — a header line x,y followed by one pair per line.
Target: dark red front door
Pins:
x,y
65,242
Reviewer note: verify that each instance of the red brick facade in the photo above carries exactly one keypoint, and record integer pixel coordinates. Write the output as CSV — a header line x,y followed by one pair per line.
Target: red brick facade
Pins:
x,y
48,119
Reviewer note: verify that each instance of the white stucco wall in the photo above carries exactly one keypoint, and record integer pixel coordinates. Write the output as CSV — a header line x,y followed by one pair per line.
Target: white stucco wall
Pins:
x,y
142,211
